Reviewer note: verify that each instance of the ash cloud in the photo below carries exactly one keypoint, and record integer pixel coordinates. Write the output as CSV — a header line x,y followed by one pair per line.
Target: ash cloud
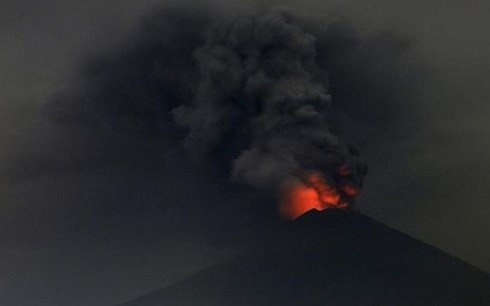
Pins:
x,y
261,94
256,96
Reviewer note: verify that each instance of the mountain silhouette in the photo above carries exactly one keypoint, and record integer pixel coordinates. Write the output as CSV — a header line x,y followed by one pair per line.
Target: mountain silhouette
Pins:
x,y
331,258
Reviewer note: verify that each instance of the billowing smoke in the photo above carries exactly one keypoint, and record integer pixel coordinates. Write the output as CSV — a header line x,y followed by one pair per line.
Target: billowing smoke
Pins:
x,y
259,98
262,100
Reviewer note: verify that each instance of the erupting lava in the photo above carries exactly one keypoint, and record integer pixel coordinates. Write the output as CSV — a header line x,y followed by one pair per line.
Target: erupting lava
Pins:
x,y
315,192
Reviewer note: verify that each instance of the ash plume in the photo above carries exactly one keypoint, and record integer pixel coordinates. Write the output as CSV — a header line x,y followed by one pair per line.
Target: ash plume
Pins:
x,y
261,99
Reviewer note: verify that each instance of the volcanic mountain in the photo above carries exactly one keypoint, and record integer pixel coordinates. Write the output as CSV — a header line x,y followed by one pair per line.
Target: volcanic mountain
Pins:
x,y
332,257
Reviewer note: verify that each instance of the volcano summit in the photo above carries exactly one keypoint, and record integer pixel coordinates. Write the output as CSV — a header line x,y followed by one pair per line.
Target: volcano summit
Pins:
x,y
332,257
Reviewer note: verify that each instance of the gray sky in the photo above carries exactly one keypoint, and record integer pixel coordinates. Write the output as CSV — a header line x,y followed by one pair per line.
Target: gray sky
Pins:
x,y
430,183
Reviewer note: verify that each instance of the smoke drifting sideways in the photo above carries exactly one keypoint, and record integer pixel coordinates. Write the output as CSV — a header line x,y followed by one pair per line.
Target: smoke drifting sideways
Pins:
x,y
248,96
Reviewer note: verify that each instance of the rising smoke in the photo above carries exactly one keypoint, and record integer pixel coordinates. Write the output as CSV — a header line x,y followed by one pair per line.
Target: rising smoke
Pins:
x,y
260,93
256,96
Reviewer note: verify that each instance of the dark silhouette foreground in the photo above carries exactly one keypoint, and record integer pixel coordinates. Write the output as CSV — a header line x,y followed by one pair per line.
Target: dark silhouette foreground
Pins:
x,y
332,258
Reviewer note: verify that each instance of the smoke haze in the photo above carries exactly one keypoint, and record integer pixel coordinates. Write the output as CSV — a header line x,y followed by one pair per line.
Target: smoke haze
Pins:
x,y
246,93
91,155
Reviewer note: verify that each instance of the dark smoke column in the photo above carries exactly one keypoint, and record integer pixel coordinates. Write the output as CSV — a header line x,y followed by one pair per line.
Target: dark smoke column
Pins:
x,y
261,106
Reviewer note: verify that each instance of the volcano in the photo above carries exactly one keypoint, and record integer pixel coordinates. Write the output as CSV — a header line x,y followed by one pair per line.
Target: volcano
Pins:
x,y
332,257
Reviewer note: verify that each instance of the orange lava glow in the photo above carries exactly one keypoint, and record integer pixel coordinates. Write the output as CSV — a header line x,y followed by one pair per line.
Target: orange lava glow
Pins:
x,y
315,192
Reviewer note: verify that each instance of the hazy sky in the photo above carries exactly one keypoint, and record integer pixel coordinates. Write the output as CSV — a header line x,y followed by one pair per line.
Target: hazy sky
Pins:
x,y
76,221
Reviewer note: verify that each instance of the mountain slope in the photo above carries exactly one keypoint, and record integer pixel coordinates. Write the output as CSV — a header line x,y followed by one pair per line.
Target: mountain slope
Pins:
x,y
332,258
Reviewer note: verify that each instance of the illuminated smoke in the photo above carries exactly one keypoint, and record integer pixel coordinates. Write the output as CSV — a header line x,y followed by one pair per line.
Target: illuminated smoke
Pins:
x,y
261,107
248,98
